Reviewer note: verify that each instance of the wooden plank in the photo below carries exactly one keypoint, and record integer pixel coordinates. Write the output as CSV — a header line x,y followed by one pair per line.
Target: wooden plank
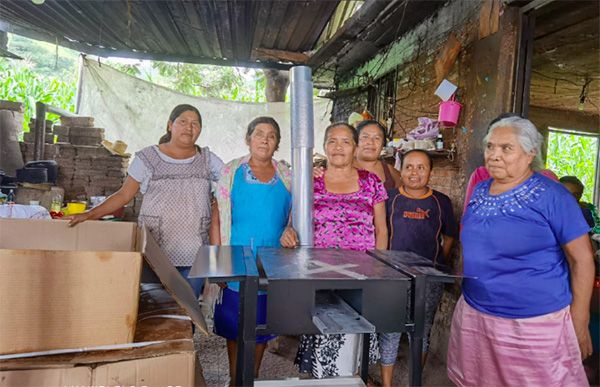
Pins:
x,y
565,119
313,36
115,17
261,12
559,15
277,18
572,40
207,29
446,57
194,29
289,31
162,17
313,25
90,29
489,17
186,28
108,25
33,17
150,27
281,55
241,14
220,12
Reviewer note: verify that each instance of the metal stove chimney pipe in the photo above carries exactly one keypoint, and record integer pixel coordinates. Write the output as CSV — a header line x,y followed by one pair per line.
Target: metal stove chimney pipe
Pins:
x,y
302,122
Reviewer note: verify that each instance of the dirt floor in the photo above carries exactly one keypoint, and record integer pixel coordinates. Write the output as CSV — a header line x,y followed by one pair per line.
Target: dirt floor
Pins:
x,y
279,357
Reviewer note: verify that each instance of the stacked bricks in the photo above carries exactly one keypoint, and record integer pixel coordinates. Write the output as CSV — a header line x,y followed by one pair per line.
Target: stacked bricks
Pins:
x,y
72,130
30,136
84,171
78,131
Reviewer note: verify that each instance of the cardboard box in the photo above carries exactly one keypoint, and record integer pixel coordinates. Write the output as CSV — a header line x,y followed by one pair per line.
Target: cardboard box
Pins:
x,y
167,370
64,287
74,287
169,358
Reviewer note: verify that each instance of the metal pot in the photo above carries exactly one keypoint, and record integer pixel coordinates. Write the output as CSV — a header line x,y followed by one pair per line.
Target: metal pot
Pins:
x,y
32,175
50,165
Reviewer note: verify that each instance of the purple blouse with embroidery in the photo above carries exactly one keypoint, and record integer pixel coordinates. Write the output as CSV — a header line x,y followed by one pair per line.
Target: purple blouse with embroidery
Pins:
x,y
345,221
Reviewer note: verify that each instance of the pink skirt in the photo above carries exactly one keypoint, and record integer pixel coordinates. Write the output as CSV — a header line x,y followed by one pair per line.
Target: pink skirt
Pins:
x,y
486,350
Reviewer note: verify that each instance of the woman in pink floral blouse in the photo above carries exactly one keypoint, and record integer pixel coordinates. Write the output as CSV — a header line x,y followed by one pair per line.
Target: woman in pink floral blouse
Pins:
x,y
349,213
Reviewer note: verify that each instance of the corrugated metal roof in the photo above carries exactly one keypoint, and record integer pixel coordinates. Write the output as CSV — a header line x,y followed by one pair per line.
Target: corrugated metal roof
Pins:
x,y
235,32
371,29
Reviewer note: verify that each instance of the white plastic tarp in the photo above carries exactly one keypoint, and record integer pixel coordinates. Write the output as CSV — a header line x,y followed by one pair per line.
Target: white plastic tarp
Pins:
x,y
136,111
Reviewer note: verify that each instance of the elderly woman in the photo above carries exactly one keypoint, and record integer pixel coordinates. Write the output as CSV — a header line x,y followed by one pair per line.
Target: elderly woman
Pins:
x,y
371,139
523,316
254,202
174,178
349,213
481,173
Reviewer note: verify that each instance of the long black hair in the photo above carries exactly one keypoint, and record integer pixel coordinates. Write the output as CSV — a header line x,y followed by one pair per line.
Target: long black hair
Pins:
x,y
176,112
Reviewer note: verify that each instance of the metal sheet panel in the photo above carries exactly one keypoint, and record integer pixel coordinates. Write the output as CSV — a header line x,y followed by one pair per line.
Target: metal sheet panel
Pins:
x,y
225,263
330,264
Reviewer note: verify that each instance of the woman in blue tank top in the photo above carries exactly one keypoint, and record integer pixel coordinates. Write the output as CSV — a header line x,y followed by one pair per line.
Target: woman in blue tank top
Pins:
x,y
254,203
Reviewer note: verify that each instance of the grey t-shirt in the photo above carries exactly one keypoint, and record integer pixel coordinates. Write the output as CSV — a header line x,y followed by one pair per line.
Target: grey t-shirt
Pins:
x,y
140,173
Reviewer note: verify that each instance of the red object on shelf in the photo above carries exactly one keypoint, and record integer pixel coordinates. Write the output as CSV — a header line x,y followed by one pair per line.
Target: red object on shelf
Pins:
x,y
56,215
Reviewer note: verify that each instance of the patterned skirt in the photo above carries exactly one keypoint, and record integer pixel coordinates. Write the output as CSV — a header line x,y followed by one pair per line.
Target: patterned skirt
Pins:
x,y
333,355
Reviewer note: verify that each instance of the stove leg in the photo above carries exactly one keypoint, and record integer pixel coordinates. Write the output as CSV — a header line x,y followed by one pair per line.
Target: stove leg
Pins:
x,y
416,335
244,374
364,359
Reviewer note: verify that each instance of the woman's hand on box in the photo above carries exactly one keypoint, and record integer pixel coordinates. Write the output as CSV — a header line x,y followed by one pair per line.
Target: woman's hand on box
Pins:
x,y
78,218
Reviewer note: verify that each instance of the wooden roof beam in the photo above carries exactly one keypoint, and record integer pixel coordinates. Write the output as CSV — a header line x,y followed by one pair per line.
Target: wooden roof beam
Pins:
x,y
281,55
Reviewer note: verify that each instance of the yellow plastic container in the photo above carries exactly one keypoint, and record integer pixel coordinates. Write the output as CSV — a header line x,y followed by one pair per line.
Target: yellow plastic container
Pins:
x,y
75,208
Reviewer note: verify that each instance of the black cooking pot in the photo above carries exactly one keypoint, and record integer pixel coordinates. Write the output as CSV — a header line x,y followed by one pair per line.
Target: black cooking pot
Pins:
x,y
9,180
32,175
50,165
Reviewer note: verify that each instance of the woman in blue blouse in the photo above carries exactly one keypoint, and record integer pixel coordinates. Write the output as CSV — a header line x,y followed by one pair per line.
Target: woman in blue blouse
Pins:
x,y
254,203
528,270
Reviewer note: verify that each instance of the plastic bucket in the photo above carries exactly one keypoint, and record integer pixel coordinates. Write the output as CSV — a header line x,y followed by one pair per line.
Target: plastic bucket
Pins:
x,y
75,208
449,113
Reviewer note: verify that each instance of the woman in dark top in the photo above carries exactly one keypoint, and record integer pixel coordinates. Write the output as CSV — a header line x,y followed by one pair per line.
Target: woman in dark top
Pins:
x,y
420,220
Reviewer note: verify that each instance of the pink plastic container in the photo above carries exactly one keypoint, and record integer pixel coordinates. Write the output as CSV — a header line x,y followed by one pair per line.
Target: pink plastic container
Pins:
x,y
449,113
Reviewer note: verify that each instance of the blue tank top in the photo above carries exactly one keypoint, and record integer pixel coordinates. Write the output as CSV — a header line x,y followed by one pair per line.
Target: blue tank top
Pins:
x,y
259,211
